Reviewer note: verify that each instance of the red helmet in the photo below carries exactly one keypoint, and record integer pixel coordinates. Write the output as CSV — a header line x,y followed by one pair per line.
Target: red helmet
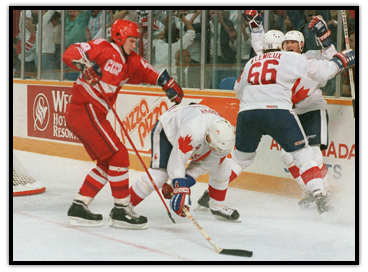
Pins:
x,y
121,29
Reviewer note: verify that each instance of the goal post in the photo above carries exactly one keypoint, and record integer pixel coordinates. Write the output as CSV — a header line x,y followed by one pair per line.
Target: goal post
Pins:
x,y
23,182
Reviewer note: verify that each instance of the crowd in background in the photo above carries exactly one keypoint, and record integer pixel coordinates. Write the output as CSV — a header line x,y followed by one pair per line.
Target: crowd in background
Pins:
x,y
178,33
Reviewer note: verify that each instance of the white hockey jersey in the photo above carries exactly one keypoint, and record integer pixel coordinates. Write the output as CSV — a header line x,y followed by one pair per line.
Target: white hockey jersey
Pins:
x,y
268,79
186,128
306,94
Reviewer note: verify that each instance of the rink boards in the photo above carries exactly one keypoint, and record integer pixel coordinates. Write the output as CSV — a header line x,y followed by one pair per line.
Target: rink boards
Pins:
x,y
39,126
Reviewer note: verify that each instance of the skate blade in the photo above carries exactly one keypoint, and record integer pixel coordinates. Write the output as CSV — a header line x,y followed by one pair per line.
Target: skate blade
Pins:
x,y
201,209
125,225
80,222
328,216
227,220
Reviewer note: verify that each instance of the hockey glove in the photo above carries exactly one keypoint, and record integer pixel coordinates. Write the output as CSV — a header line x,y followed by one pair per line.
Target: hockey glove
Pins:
x,y
90,69
345,58
170,87
181,193
322,31
253,18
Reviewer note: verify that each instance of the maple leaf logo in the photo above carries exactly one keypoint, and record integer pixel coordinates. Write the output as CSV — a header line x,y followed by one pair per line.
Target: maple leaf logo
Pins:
x,y
298,95
184,144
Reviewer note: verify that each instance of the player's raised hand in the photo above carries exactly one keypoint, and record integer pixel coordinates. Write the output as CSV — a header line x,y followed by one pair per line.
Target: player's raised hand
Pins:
x,y
323,33
253,18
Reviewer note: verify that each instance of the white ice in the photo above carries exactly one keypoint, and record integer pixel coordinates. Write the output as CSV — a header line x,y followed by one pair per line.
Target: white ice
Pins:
x,y
273,227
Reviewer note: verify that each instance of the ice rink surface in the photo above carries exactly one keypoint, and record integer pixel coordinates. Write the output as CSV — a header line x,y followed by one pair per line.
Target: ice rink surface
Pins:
x,y
273,227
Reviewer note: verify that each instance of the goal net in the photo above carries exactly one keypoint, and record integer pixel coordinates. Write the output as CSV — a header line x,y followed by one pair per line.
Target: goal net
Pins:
x,y
23,182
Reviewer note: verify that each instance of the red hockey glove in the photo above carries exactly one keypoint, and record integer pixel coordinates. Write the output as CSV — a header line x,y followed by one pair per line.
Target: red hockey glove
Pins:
x,y
322,31
90,69
170,87
253,18
92,73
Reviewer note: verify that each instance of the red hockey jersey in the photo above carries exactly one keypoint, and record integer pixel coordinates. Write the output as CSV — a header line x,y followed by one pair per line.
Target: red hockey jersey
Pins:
x,y
116,68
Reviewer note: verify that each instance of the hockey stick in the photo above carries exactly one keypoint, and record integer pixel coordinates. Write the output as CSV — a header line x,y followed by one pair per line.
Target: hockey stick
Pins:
x,y
235,252
135,150
347,45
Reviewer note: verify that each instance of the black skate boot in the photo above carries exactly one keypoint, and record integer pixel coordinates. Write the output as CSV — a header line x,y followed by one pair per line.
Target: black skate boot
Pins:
x,y
226,214
80,215
308,201
321,202
203,202
123,216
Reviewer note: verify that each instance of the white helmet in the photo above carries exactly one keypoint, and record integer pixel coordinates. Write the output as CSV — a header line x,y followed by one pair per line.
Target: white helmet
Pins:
x,y
273,39
295,36
221,137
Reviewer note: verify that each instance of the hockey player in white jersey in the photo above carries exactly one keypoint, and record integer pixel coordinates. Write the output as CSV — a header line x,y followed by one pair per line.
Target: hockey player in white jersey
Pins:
x,y
201,135
307,97
265,91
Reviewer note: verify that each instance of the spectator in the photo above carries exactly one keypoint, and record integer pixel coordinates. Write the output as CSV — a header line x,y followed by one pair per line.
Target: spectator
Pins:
x,y
246,46
30,49
346,90
143,37
94,24
159,15
195,48
75,32
162,47
191,70
75,27
57,41
50,20
226,33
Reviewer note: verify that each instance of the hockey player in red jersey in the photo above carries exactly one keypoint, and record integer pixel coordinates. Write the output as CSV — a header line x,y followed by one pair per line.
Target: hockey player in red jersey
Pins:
x,y
108,65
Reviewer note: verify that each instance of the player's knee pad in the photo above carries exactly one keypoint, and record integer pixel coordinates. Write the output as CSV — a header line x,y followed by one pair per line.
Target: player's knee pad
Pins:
x,y
143,186
318,157
243,159
286,158
120,158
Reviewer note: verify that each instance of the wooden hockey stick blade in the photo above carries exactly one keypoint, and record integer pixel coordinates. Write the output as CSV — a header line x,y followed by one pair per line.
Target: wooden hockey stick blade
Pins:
x,y
237,252
234,252
172,219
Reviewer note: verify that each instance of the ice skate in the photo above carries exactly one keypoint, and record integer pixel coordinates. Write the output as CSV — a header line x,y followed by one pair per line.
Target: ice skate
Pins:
x,y
308,202
323,206
80,215
123,216
226,214
203,203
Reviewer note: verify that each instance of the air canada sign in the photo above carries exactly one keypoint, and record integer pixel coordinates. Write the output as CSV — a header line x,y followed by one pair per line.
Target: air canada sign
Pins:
x,y
46,107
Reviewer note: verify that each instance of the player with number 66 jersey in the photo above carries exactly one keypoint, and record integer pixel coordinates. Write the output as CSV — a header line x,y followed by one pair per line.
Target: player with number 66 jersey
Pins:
x,y
267,79
265,93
